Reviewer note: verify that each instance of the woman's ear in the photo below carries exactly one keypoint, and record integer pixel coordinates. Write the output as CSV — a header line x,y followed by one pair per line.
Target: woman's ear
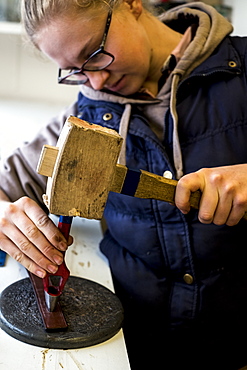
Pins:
x,y
135,6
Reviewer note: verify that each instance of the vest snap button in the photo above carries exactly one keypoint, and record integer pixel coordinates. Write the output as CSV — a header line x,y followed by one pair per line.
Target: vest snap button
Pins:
x,y
107,116
188,278
232,64
167,175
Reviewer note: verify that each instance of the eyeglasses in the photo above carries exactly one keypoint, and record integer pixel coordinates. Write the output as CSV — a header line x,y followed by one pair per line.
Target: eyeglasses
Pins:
x,y
98,60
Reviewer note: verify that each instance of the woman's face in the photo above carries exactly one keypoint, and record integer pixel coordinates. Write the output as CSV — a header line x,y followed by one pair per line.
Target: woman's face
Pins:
x,y
70,40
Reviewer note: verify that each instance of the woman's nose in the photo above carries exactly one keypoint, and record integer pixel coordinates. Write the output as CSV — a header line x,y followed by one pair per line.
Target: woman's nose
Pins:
x,y
97,79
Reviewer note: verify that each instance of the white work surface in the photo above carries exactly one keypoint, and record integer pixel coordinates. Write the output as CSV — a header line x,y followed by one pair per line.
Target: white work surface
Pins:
x,y
83,259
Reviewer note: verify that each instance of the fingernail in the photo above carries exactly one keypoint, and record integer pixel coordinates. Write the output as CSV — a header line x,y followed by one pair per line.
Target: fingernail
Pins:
x,y
63,246
40,273
58,259
52,269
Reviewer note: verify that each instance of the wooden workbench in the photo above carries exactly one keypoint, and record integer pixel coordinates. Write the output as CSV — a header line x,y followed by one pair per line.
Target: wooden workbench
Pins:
x,y
83,259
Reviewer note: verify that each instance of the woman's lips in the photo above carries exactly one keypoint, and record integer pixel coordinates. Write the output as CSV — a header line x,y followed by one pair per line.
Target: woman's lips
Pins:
x,y
116,86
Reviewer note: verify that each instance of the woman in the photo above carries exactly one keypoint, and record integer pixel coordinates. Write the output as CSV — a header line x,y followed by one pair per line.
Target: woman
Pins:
x,y
175,89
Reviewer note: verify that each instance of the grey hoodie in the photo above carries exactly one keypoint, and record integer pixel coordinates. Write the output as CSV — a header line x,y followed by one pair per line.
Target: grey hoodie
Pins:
x,y
18,175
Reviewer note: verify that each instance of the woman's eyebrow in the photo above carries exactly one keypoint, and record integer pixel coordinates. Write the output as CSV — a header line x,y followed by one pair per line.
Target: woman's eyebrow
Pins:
x,y
81,56
70,68
89,48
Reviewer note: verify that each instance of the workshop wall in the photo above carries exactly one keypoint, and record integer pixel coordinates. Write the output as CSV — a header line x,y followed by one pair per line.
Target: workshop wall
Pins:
x,y
239,11
25,73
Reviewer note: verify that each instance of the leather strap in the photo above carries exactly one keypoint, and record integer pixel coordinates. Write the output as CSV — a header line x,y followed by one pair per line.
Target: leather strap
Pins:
x,y
53,321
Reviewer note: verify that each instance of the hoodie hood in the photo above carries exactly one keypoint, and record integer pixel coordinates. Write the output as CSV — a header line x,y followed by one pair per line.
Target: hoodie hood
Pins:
x,y
211,29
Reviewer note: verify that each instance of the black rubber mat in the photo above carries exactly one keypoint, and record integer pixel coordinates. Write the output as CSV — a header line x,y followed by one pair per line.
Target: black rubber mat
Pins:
x,y
93,313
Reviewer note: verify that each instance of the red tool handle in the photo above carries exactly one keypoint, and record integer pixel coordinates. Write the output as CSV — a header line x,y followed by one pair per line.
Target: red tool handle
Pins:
x,y
62,272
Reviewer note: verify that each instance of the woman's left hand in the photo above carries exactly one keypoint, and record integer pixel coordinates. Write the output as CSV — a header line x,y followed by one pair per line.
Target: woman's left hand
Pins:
x,y
224,193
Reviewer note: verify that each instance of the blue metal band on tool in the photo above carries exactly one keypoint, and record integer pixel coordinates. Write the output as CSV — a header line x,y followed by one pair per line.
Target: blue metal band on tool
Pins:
x,y
131,182
2,258
65,219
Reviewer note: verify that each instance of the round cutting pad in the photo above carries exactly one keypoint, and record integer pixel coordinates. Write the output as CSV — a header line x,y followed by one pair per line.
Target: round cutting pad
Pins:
x,y
93,314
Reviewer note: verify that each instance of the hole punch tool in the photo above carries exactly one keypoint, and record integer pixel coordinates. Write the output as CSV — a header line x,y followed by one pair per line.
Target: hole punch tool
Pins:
x,y
54,283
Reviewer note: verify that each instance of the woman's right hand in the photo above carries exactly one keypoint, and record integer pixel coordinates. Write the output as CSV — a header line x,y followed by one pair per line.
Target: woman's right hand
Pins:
x,y
29,236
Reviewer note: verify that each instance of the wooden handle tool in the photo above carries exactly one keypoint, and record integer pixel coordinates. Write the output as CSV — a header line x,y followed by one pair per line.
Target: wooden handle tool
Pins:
x,y
84,166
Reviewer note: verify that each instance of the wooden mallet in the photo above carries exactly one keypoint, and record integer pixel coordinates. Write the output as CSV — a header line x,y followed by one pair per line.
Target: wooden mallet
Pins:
x,y
82,169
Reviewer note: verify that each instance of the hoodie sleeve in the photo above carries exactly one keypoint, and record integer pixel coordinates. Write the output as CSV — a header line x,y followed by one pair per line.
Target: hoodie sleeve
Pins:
x,y
18,176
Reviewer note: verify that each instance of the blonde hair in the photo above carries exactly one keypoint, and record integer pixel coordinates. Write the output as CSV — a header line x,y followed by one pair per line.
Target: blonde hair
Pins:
x,y
37,13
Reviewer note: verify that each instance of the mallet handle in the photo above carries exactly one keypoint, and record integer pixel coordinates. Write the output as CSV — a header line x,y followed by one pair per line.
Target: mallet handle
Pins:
x,y
149,186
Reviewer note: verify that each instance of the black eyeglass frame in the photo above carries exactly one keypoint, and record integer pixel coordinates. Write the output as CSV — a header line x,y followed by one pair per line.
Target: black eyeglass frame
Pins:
x,y
100,50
